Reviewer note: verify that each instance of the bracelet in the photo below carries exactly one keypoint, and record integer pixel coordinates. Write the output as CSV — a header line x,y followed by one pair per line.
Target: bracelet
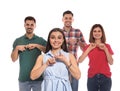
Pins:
x,y
69,66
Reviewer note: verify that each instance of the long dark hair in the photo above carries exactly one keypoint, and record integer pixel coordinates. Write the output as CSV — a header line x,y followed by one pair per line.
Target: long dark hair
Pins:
x,y
49,47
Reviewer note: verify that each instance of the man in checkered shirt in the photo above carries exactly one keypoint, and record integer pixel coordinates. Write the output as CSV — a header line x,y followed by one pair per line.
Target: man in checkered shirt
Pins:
x,y
74,39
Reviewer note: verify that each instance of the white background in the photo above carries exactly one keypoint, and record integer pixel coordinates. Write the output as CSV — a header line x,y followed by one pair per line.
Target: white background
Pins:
x,y
48,14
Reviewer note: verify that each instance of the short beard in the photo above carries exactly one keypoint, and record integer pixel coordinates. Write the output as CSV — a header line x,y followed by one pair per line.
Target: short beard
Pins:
x,y
29,31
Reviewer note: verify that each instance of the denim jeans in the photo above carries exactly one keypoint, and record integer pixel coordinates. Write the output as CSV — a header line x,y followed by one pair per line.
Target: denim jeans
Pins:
x,y
99,83
30,86
74,84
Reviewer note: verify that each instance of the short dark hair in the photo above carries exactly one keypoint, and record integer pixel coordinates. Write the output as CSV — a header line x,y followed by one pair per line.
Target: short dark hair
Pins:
x,y
68,12
30,18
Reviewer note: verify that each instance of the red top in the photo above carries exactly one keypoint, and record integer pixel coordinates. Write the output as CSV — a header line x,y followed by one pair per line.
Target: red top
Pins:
x,y
98,63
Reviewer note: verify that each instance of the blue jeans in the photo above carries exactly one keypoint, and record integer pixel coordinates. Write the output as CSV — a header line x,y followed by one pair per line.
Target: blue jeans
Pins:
x,y
99,83
74,84
30,86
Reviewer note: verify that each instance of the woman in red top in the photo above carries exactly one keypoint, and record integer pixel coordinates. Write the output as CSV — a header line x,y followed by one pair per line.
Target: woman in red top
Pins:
x,y
100,56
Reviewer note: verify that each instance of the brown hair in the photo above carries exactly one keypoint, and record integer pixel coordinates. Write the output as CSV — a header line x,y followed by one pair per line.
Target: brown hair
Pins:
x,y
91,38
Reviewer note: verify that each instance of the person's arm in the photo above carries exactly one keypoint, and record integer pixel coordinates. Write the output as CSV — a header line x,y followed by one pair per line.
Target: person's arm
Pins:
x,y
82,42
85,53
109,56
71,64
73,67
39,67
38,46
14,54
82,45
83,56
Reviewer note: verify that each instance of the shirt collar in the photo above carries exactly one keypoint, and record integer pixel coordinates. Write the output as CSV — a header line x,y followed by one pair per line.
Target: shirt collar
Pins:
x,y
70,29
50,53
34,36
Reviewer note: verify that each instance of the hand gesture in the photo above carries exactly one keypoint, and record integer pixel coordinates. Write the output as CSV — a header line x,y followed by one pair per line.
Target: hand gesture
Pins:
x,y
72,41
60,57
101,46
92,46
21,47
51,61
31,46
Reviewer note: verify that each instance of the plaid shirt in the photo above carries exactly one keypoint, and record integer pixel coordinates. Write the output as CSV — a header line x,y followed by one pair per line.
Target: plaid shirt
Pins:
x,y
73,34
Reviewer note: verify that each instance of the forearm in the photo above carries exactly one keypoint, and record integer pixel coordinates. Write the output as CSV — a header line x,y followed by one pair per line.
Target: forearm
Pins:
x,y
73,69
109,56
14,55
75,72
36,73
83,56
40,47
82,45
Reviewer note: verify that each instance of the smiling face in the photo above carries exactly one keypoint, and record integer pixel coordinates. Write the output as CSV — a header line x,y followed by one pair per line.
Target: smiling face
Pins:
x,y
56,40
67,20
97,33
29,26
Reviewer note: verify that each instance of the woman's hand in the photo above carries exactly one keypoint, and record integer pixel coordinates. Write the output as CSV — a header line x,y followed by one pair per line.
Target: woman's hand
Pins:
x,y
51,61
